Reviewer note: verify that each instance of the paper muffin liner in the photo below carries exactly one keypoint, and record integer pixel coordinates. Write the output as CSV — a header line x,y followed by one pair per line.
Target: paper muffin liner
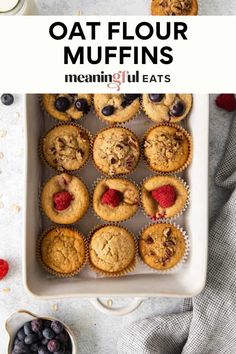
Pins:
x,y
40,200
118,174
51,271
123,272
41,153
70,119
163,220
190,152
102,178
181,261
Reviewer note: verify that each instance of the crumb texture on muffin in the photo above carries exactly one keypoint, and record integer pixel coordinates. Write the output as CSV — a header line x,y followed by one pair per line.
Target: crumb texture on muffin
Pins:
x,y
174,7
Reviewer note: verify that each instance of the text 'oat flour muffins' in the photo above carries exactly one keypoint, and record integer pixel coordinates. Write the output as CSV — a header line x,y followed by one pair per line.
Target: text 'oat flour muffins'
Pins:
x,y
116,151
64,199
62,251
162,246
66,147
112,251
174,7
115,199
160,107
65,107
167,148
164,196
116,108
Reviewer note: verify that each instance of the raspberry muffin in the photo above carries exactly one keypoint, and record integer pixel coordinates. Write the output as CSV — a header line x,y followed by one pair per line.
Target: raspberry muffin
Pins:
x,y
65,107
62,251
66,147
174,7
162,246
65,199
115,199
116,151
116,108
160,107
112,251
167,148
164,196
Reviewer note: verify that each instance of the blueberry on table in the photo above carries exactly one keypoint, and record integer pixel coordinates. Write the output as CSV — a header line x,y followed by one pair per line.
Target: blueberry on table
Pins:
x,y
7,99
156,97
36,325
27,328
108,110
177,109
62,104
48,333
53,346
82,105
31,338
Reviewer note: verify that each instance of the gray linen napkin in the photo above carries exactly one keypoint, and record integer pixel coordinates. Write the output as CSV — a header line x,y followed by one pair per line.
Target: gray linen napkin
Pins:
x,y
207,324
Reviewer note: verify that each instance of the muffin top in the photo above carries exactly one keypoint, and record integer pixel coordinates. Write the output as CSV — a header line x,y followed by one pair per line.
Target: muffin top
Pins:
x,y
115,199
162,246
116,151
66,147
163,196
65,107
116,108
64,199
63,250
167,148
111,249
174,7
167,107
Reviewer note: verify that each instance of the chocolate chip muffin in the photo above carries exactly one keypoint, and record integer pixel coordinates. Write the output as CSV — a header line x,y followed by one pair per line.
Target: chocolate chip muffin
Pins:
x,y
65,199
167,107
167,148
66,147
65,107
174,7
116,108
162,246
116,151
112,251
115,199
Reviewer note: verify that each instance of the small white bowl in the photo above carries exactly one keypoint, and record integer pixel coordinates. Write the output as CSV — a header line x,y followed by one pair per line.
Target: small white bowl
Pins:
x,y
19,318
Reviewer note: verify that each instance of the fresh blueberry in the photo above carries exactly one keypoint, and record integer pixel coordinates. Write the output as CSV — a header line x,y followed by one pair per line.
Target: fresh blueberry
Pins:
x,y
7,99
62,104
36,325
31,338
47,323
44,341
156,97
43,350
20,348
27,329
82,105
62,337
53,346
177,109
48,333
21,334
35,347
108,110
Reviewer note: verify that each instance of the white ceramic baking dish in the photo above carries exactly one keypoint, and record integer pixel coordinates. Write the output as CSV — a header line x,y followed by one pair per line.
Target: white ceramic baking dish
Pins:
x,y
188,281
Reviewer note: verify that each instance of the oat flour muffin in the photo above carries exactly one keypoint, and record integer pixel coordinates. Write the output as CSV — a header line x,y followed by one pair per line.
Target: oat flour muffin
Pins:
x,y
65,107
65,199
174,7
116,151
115,199
162,246
116,108
112,251
63,251
164,196
66,147
167,148
161,107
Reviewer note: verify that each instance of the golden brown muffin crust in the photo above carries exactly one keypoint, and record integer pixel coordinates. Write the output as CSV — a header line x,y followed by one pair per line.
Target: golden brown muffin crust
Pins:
x,y
174,7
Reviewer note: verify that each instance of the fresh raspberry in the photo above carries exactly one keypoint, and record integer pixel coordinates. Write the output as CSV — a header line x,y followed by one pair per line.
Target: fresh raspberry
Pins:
x,y
165,195
62,200
227,102
111,197
4,268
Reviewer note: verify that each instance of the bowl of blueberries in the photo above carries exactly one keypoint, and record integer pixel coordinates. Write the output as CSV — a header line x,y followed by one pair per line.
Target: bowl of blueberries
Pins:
x,y
30,334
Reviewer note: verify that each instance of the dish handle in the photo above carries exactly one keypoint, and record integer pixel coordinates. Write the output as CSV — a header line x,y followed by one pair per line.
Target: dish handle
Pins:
x,y
117,311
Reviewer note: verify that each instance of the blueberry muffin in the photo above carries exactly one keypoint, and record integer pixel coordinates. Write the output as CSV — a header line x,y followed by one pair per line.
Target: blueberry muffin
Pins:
x,y
66,147
167,148
115,199
116,108
64,199
162,246
65,107
174,7
116,151
167,107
